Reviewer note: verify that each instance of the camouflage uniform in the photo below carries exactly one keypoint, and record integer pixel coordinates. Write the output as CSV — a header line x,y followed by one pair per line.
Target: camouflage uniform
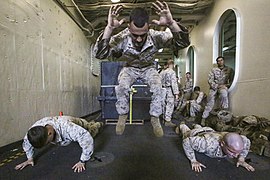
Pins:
x,y
206,140
169,82
188,87
218,77
187,90
66,131
92,127
195,103
257,129
139,64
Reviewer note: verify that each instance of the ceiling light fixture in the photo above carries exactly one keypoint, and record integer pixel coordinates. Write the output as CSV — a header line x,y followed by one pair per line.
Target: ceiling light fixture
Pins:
x,y
160,50
115,1
225,48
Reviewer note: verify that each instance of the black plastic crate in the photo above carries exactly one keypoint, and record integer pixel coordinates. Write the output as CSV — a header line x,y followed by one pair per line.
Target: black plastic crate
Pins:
x,y
107,98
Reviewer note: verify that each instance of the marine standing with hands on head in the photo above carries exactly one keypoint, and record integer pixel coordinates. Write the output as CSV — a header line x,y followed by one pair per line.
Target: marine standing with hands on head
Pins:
x,y
137,45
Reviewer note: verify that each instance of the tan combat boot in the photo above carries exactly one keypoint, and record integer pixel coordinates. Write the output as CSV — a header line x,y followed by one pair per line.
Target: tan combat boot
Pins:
x,y
158,131
94,128
120,126
169,124
177,129
203,122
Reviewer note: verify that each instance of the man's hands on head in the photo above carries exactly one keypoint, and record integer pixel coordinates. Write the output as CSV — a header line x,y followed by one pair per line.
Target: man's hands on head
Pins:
x,y
24,164
197,166
245,165
79,167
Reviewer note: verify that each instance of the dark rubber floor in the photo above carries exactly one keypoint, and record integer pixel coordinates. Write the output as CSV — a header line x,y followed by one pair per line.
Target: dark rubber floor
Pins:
x,y
137,154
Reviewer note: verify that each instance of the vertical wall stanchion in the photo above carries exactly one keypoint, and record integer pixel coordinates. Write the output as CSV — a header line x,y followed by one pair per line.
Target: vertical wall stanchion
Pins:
x,y
130,106
132,91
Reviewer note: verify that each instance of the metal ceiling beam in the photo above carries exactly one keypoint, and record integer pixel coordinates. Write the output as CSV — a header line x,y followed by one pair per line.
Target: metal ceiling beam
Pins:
x,y
188,12
184,18
95,6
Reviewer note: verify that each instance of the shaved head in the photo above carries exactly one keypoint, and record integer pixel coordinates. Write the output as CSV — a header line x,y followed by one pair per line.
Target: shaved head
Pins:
x,y
232,144
234,141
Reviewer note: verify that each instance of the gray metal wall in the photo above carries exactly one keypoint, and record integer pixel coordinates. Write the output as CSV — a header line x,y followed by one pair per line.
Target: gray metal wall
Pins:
x,y
45,66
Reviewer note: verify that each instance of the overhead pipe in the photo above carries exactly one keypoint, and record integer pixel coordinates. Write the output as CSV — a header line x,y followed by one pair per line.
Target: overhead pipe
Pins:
x,y
89,29
129,5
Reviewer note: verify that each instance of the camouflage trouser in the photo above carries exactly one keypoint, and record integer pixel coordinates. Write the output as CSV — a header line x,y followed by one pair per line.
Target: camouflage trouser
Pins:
x,y
169,104
223,96
194,109
185,98
127,77
92,127
187,132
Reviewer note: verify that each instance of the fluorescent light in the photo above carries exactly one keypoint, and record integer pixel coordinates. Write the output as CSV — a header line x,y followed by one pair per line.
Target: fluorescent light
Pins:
x,y
160,50
156,60
225,48
115,1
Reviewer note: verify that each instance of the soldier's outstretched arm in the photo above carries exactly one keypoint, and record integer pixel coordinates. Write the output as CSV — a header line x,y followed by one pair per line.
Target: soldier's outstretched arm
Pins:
x,y
21,166
165,16
102,48
243,154
29,151
180,33
113,22
174,85
190,153
197,166
241,162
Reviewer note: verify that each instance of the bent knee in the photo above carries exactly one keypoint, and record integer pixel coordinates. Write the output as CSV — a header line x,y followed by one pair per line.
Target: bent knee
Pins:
x,y
223,93
122,88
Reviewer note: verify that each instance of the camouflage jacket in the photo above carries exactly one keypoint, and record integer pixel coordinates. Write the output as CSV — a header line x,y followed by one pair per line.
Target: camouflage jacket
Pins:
x,y
219,76
168,79
197,98
209,144
66,131
188,87
120,46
